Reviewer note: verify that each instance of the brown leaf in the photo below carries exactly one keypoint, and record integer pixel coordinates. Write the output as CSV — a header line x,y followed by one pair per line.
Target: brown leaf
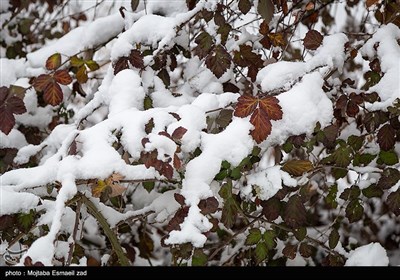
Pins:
x,y
179,198
393,201
271,208
121,64
81,75
208,206
290,251
218,61
245,106
42,81
266,9
295,214
204,43
177,162
62,77
244,6
264,28
270,105
53,62
312,40
386,137
53,94
262,125
369,3
178,133
136,59
297,167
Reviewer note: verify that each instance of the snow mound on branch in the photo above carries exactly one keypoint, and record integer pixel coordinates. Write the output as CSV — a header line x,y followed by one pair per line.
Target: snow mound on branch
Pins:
x,y
372,254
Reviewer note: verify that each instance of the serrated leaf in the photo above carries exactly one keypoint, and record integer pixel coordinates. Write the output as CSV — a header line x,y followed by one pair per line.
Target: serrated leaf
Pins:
x,y
136,59
229,213
354,211
62,77
9,106
179,133
388,157
271,209
164,76
42,81
333,238
121,64
53,94
253,237
386,137
218,61
269,237
389,178
372,191
245,106
306,250
266,9
53,62
341,157
244,6
355,142
393,202
199,258
295,214
297,167
262,125
300,233
363,159
261,252
270,105
204,43
290,251
312,40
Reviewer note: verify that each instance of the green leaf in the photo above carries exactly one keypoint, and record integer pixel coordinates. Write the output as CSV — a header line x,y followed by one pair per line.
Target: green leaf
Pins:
x,y
235,173
355,142
93,66
363,159
149,186
261,252
266,9
269,237
287,147
226,190
229,213
147,103
330,199
388,157
372,191
218,61
354,211
221,175
300,233
253,237
76,62
25,220
350,193
339,173
333,238
295,214
393,202
225,164
341,157
199,258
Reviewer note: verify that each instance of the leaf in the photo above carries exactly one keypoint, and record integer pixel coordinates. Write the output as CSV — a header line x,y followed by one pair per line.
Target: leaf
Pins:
x,y
177,162
354,211
312,40
350,193
393,202
261,252
42,81
134,4
297,167
266,9
147,103
244,6
229,213
93,66
388,157
372,191
164,76
99,188
226,190
290,251
295,214
306,250
253,237
341,157
269,237
270,105
271,209
246,57
179,133
389,178
136,59
262,125
121,64
53,94
224,118
148,186
9,106
333,238
369,3
386,137
218,61
179,198
245,106
25,220
53,62
300,233
204,43
199,258
355,142
62,77
208,206
81,75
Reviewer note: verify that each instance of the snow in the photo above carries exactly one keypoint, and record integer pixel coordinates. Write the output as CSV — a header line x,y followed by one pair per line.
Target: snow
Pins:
x,y
11,70
372,254
15,139
14,202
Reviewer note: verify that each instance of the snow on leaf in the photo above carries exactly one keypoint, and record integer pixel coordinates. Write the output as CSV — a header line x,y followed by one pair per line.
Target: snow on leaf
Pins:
x,y
297,167
270,105
53,62
53,94
245,106
218,61
9,106
312,40
262,125
386,137
62,77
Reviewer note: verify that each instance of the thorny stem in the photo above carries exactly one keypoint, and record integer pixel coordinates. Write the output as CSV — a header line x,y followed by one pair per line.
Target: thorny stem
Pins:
x,y
76,226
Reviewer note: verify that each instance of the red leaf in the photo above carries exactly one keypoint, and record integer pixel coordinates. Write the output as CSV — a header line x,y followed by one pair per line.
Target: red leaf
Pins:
x,y
178,133
53,94
136,59
262,125
53,62
9,106
7,120
386,137
208,206
16,105
245,106
62,77
177,162
312,40
179,198
121,64
166,170
270,105
42,81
